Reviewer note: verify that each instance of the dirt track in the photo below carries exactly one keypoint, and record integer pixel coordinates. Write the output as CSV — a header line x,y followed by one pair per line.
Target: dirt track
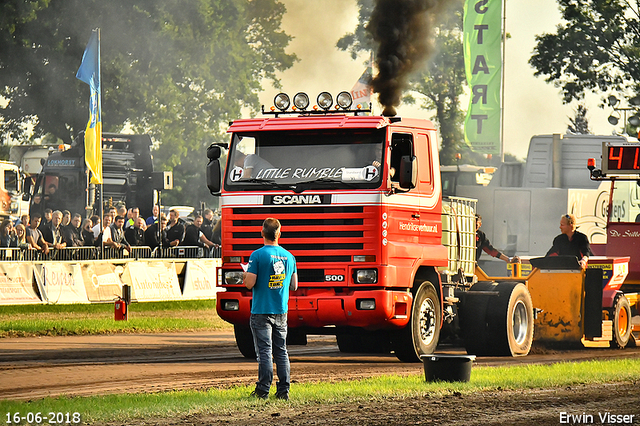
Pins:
x,y
33,368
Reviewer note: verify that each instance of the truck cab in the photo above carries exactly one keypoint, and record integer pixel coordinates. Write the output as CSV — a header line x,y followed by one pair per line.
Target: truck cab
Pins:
x,y
359,198
63,182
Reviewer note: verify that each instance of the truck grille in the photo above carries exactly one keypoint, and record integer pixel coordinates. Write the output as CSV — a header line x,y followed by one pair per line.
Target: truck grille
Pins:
x,y
313,234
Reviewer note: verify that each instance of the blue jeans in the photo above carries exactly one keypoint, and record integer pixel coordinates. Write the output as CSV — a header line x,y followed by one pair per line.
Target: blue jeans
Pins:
x,y
270,332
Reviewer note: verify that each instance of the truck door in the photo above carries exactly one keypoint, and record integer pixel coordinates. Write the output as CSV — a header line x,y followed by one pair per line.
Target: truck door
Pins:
x,y
404,206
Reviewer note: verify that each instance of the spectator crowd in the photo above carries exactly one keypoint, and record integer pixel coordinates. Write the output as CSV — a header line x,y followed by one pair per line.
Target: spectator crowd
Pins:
x,y
119,230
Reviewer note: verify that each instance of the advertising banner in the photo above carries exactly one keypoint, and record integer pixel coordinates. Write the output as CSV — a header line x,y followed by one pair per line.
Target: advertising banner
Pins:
x,y
483,67
152,281
102,281
200,279
62,283
16,284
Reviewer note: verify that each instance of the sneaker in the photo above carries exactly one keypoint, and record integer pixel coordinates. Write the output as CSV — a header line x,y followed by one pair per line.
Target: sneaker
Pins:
x,y
284,395
259,394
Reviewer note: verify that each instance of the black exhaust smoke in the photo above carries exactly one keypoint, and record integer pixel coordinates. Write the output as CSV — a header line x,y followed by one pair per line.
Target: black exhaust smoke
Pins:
x,y
402,29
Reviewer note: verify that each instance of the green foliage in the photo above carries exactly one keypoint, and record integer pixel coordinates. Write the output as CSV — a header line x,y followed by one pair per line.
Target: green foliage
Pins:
x,y
594,49
177,70
304,395
440,83
150,317
579,124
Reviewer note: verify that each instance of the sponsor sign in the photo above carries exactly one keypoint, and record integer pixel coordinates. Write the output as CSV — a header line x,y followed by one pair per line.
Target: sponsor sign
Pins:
x,y
152,281
101,281
483,66
200,279
16,284
62,283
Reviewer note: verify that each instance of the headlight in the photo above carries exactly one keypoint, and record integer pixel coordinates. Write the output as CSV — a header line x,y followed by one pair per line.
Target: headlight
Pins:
x,y
344,100
325,100
233,278
366,304
366,276
230,305
281,101
301,101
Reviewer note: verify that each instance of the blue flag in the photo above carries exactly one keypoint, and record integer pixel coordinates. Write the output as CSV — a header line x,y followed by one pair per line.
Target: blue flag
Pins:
x,y
89,72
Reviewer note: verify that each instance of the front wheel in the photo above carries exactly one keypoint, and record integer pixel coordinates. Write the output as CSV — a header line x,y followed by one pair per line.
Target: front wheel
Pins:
x,y
244,340
421,335
621,313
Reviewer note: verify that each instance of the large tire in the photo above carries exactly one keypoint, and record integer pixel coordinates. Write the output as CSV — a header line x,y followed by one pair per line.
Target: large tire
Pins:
x,y
621,314
507,326
348,343
364,342
244,340
473,318
421,335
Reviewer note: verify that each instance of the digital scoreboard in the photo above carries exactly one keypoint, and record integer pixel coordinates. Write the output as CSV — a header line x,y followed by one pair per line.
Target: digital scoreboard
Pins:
x,y
621,158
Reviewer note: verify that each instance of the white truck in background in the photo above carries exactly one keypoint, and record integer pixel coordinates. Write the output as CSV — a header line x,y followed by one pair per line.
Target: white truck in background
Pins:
x,y
522,205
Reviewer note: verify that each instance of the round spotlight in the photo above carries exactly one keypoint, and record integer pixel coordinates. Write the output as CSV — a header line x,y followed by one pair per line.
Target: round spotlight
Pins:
x,y
634,120
635,101
613,120
325,100
344,100
613,101
281,101
301,100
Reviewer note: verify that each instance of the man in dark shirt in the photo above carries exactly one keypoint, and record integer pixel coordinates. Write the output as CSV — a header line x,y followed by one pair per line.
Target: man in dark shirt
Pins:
x,y
73,233
153,238
483,244
52,233
175,228
135,234
193,235
571,242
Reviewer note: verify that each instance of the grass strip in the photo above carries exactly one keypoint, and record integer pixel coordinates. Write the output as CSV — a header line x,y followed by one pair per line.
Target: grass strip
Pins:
x,y
220,401
80,319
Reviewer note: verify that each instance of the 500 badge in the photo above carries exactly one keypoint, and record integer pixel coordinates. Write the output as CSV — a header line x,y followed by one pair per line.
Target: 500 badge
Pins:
x,y
334,278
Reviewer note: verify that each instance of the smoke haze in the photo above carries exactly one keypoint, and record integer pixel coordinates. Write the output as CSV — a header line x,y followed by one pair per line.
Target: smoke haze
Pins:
x,y
402,30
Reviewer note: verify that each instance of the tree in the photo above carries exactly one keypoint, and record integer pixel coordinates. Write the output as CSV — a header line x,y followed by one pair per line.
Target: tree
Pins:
x,y
579,125
177,70
595,49
440,83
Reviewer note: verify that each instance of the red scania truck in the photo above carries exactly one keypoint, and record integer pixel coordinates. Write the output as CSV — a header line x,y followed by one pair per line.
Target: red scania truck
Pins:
x,y
383,264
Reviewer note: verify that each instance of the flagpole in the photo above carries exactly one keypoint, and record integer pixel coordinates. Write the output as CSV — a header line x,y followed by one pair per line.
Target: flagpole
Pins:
x,y
99,142
504,57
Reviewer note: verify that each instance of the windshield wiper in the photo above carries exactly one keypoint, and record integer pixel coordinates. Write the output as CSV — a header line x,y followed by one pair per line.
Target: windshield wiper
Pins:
x,y
268,182
300,186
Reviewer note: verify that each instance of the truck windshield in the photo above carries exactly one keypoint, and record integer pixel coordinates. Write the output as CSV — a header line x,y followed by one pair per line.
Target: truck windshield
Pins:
x,y
305,159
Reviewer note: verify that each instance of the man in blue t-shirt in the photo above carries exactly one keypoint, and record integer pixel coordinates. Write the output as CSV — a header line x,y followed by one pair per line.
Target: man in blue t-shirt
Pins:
x,y
271,274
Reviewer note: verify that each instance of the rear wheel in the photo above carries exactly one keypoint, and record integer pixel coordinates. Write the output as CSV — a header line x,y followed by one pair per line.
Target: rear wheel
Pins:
x,y
621,314
421,335
499,323
244,340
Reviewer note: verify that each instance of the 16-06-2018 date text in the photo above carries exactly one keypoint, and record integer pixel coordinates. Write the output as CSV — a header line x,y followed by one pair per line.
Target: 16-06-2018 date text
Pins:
x,y
46,418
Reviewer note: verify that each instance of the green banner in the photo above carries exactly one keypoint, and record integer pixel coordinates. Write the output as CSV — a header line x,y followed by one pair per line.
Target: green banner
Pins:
x,y
483,64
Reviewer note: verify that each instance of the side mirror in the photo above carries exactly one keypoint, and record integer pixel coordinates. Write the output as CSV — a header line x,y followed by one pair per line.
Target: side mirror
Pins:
x,y
26,189
408,175
214,182
214,152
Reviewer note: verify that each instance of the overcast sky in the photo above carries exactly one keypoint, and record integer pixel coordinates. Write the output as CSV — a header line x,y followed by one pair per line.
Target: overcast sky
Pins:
x,y
532,107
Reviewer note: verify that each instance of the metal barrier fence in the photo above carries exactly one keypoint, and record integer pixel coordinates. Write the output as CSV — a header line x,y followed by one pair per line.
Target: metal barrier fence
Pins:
x,y
92,253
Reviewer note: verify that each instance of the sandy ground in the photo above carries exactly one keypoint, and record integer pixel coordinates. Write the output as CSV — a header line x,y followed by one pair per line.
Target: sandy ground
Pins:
x,y
32,368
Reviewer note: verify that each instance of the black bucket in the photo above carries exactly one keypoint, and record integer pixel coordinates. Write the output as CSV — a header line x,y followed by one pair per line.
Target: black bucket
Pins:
x,y
447,368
